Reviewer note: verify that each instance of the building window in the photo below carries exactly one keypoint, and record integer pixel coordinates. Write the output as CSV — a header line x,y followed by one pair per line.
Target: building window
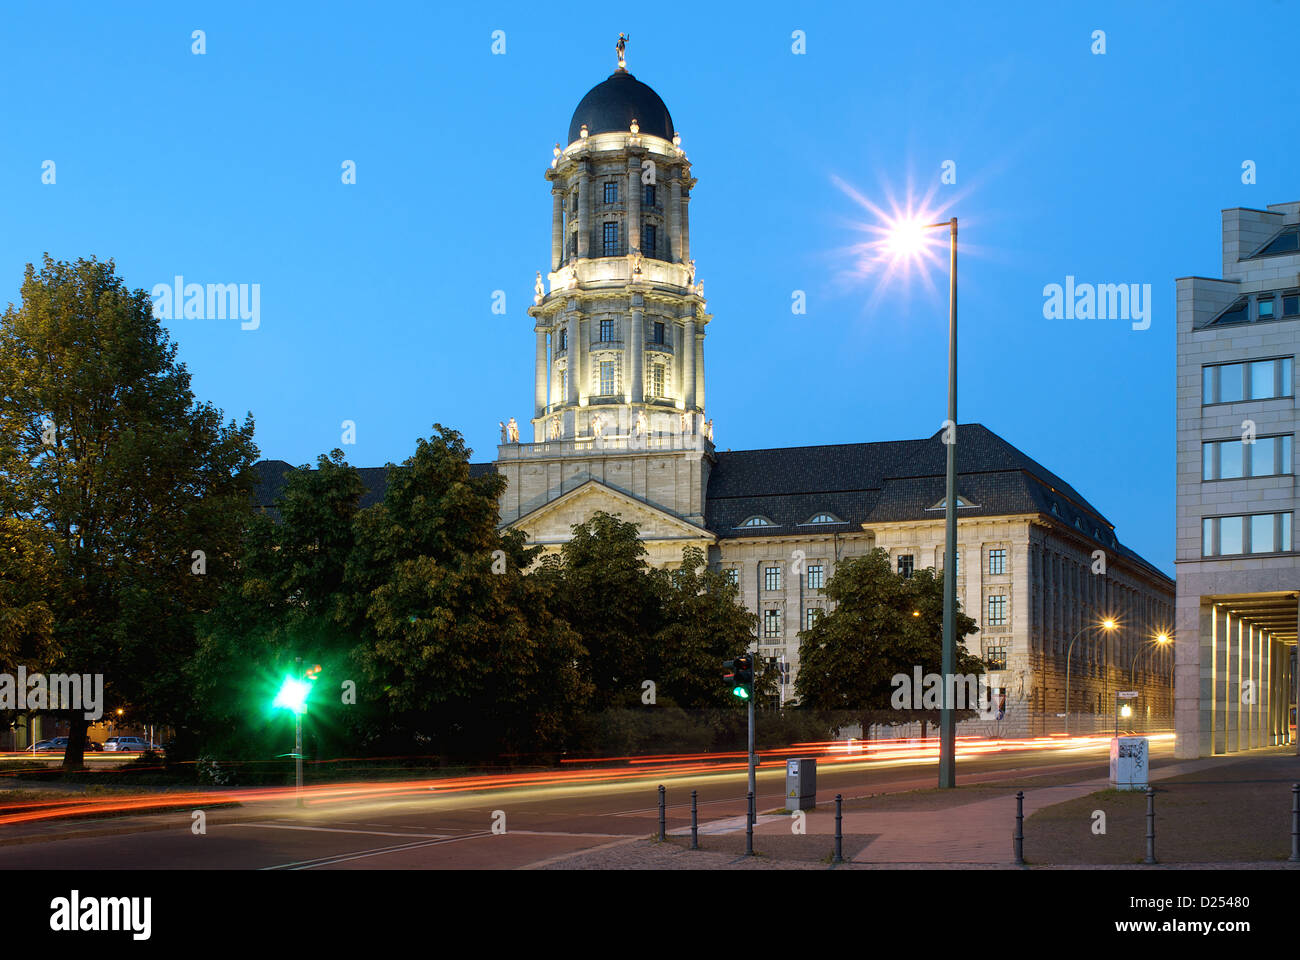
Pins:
x,y
772,578
816,576
606,331
607,378
997,562
573,202
996,658
997,611
657,380
1233,459
771,624
611,239
733,576
563,343
611,191
564,385
758,522
822,518
1265,306
811,616
1257,533
1255,380
657,332
649,194
904,564
648,239
1291,304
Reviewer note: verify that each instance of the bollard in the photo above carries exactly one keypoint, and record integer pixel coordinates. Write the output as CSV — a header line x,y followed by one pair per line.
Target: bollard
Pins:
x,y
1151,825
749,827
839,832
695,826
1295,823
1018,841
662,795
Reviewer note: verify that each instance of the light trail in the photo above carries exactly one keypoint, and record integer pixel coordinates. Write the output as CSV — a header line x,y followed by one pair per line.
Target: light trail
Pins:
x,y
837,753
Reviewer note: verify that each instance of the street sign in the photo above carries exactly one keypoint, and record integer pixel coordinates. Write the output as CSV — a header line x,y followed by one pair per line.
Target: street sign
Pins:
x,y
1126,694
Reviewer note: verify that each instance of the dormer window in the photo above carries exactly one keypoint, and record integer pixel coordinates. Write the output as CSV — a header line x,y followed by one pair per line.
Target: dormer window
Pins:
x,y
823,518
757,522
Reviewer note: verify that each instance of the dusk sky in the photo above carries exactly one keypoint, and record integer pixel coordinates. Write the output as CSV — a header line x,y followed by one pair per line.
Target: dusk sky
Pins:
x,y
376,298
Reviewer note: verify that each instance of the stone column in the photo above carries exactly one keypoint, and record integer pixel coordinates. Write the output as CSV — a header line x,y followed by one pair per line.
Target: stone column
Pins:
x,y
675,221
635,351
575,356
688,364
699,371
539,392
557,227
686,226
584,214
633,203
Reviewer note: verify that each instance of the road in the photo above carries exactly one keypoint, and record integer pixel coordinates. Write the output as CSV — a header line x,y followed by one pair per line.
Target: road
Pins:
x,y
482,828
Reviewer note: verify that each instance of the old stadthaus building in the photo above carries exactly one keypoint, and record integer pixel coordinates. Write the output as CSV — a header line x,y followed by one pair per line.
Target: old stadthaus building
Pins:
x,y
620,424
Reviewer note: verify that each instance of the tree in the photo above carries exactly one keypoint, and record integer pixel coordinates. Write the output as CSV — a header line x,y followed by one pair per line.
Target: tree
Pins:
x,y
119,475
466,647
286,602
704,625
883,624
603,588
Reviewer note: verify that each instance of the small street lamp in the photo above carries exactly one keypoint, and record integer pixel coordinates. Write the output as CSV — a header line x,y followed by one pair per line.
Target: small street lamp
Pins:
x,y
292,696
1108,625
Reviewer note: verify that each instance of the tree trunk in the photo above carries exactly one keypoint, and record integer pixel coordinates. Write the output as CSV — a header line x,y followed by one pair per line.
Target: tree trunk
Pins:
x,y
74,758
923,728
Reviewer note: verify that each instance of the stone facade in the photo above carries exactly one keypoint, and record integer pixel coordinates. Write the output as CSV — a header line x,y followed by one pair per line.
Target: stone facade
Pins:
x,y
1238,579
634,440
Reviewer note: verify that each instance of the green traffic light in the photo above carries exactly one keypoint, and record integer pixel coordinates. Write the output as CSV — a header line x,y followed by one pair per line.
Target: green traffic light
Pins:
x,y
740,693
293,695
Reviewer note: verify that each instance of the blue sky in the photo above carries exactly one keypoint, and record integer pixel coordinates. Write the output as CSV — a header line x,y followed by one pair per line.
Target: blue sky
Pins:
x,y
376,297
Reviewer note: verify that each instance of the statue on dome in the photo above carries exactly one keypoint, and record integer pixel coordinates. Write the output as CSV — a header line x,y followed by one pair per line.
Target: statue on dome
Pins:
x,y
620,47
553,429
642,425
512,431
598,425
690,268
636,263
502,424
539,289
708,429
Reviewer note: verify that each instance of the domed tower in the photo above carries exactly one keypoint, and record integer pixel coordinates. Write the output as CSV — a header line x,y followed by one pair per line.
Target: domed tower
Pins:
x,y
620,335
618,418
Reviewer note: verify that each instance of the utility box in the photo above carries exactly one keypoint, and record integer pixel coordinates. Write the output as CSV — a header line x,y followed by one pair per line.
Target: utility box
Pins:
x,y
801,783
1129,762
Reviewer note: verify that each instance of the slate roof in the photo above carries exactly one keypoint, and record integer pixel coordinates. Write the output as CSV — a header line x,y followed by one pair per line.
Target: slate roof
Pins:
x,y
615,102
886,481
272,475
895,480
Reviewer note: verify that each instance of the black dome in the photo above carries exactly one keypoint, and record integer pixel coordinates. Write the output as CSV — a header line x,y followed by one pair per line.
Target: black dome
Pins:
x,y
615,103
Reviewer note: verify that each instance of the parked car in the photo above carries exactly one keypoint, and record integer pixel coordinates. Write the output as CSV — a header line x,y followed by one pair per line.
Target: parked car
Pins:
x,y
54,745
130,745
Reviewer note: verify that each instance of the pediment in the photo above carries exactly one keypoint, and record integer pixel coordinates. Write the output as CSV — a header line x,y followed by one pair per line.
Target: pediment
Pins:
x,y
552,523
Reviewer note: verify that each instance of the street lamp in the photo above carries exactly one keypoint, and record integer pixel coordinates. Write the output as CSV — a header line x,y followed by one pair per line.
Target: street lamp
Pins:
x,y
292,696
905,238
1108,624
1157,642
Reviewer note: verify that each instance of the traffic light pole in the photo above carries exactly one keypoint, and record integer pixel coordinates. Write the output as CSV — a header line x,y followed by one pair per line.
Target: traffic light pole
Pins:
x,y
297,743
752,758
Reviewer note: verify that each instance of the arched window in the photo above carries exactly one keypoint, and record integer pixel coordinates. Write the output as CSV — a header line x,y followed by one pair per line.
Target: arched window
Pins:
x,y
823,518
757,522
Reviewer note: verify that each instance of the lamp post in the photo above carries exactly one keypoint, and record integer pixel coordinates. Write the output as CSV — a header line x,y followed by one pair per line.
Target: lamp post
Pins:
x,y
906,236
1107,625
1158,641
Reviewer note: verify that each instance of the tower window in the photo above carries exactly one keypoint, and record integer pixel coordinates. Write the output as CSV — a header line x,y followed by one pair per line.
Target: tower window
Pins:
x,y
564,385
657,380
611,192
573,244
607,378
648,240
606,331
573,202
611,239
649,194
563,343
657,335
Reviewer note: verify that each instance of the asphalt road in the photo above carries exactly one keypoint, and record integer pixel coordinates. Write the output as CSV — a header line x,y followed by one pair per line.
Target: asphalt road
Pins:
x,y
482,829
